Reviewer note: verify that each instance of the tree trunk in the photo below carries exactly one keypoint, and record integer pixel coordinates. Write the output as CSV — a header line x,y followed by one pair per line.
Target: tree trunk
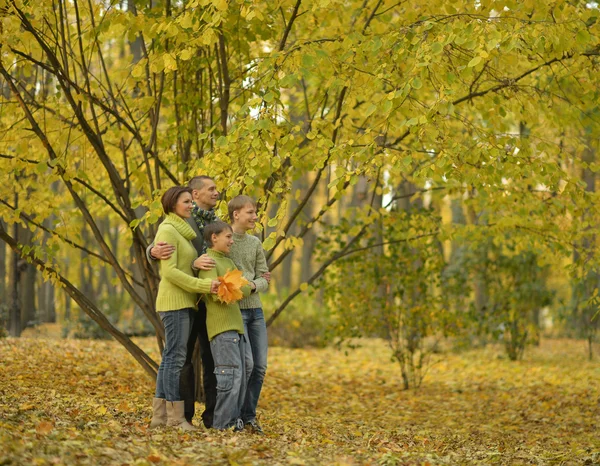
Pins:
x,y
3,295
14,319
27,288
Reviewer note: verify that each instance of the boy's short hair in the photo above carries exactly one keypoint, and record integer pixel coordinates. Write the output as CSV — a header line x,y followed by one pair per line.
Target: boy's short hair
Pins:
x,y
239,202
215,228
197,182
171,196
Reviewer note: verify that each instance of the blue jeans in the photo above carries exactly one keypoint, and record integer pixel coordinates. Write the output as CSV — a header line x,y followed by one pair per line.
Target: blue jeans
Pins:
x,y
233,364
256,331
177,331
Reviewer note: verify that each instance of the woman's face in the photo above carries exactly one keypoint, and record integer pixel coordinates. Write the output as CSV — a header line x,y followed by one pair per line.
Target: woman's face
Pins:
x,y
223,241
184,206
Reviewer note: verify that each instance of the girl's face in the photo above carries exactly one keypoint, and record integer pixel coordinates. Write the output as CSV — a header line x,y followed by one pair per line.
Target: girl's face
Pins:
x,y
223,241
184,206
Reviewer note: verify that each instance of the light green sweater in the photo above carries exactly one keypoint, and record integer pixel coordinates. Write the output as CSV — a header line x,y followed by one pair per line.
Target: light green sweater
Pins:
x,y
248,255
178,286
221,317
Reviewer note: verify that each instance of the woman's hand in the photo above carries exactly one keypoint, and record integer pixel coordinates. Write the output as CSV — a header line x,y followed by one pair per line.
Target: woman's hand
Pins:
x,y
214,286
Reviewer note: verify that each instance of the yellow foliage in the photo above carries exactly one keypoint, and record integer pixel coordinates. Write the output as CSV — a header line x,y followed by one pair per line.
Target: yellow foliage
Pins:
x,y
230,289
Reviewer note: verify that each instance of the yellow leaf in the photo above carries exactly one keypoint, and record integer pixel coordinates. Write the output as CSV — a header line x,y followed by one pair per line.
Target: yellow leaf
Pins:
x,y
229,290
44,428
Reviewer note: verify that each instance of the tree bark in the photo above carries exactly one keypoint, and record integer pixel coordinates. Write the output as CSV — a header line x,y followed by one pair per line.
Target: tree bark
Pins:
x,y
3,296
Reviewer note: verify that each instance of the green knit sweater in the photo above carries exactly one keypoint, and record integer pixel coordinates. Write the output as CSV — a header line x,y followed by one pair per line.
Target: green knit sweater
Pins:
x,y
178,286
221,317
248,255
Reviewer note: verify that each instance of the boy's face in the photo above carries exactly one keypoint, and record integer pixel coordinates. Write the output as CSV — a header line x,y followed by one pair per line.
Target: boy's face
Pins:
x,y
246,217
223,241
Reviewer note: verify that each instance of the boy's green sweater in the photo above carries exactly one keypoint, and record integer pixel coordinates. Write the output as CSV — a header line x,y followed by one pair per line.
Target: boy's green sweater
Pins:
x,y
221,317
178,286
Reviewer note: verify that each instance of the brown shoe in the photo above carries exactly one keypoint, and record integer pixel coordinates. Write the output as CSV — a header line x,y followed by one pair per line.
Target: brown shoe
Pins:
x,y
176,417
159,413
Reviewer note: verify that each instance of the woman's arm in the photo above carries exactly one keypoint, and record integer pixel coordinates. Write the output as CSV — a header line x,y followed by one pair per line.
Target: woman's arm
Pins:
x,y
170,272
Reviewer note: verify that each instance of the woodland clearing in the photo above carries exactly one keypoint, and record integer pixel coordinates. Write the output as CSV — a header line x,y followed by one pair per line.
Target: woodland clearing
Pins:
x,y
88,403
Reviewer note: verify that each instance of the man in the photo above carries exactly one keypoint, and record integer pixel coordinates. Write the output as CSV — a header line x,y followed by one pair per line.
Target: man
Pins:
x,y
205,196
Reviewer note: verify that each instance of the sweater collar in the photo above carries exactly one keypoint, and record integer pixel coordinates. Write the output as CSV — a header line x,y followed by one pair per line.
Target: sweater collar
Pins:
x,y
238,235
215,254
182,226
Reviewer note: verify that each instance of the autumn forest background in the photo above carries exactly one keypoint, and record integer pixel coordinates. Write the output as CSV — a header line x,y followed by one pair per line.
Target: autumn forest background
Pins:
x,y
426,174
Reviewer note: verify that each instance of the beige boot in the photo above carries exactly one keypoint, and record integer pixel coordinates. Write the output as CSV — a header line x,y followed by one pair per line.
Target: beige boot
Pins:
x,y
176,417
159,413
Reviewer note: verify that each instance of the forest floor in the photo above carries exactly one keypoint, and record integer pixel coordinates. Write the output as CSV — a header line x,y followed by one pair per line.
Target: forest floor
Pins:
x,y
79,402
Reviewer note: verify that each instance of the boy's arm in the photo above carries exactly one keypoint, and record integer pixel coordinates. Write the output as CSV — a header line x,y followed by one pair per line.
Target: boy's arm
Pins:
x,y
170,272
260,268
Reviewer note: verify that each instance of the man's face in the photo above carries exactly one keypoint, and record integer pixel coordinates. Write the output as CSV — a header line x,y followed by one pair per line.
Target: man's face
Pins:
x,y
207,196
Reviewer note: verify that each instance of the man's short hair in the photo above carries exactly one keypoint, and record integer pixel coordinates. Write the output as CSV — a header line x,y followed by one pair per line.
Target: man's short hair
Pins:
x,y
214,228
239,202
170,197
197,182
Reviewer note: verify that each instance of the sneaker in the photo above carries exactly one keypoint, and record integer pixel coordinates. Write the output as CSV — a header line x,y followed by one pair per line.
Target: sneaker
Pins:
x,y
255,427
238,426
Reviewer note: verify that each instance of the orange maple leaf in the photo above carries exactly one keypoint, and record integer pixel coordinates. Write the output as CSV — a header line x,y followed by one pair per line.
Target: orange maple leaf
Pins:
x,y
230,288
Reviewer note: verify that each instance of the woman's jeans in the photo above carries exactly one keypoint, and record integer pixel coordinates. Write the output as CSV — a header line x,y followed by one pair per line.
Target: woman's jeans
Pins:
x,y
256,332
177,331
233,364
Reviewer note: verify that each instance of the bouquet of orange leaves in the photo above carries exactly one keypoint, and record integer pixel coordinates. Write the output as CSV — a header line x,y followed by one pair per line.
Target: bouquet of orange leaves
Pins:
x,y
230,289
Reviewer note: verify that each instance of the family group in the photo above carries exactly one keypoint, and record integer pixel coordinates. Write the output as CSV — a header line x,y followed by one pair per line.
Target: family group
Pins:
x,y
195,250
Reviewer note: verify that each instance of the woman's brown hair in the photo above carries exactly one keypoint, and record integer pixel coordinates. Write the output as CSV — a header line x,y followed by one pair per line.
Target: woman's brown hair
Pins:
x,y
170,197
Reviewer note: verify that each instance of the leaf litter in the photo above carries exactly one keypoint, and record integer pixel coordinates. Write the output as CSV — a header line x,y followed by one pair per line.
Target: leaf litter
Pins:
x,y
88,403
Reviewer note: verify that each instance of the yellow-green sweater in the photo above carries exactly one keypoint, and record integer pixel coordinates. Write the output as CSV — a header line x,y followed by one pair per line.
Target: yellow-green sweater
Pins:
x,y
178,286
221,317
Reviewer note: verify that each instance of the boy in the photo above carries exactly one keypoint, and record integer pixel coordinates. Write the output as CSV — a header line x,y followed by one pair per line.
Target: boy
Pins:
x,y
225,329
248,255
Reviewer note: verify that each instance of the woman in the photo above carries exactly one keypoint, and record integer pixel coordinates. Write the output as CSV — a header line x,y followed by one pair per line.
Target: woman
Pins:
x,y
175,303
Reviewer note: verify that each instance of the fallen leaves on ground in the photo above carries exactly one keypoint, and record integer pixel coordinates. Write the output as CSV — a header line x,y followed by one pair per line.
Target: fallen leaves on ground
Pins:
x,y
88,403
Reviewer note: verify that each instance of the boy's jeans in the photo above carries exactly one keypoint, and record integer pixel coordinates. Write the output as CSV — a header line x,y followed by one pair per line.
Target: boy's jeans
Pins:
x,y
233,365
256,331
177,331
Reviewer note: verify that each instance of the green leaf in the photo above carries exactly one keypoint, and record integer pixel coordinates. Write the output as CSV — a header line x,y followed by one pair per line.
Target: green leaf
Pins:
x,y
308,61
269,243
41,168
437,48
475,61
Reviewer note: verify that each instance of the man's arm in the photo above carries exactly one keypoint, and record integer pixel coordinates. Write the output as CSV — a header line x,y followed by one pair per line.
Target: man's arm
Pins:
x,y
159,251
